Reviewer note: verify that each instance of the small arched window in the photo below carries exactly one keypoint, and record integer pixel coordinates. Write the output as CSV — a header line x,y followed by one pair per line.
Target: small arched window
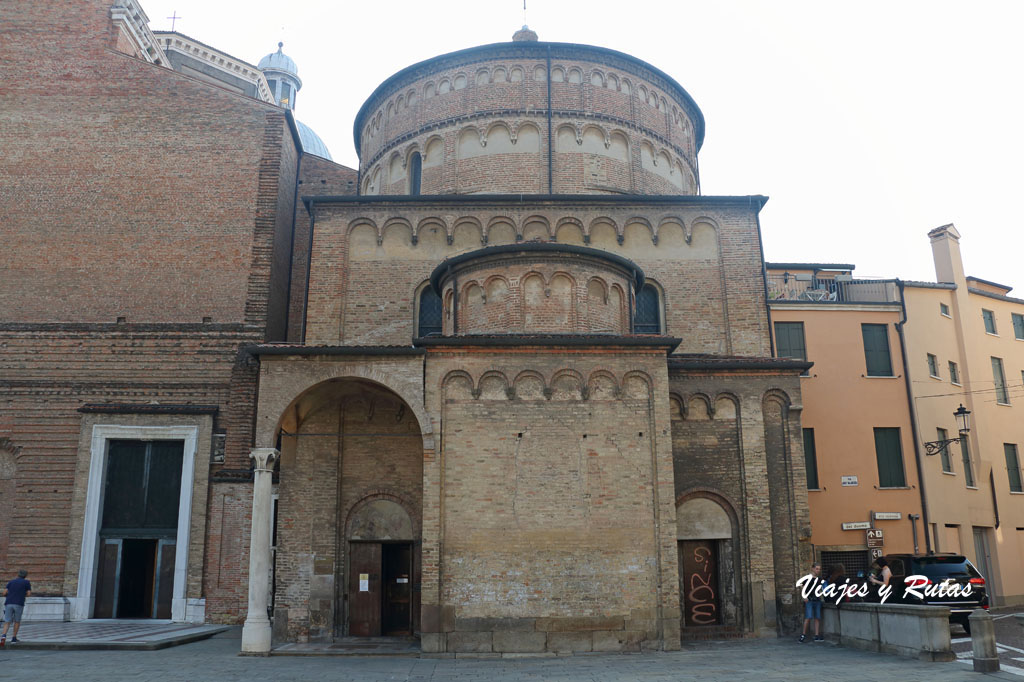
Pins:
x,y
415,173
429,315
647,319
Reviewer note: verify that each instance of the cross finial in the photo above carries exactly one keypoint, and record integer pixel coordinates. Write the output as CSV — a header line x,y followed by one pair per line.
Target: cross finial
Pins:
x,y
174,17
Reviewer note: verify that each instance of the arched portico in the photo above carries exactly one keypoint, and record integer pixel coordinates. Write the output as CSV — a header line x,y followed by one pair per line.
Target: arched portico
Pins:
x,y
284,379
351,437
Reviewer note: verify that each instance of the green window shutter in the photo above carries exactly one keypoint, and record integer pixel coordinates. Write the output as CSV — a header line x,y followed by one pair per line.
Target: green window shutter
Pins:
x,y
789,340
965,455
876,350
1018,326
1002,395
1012,467
811,460
990,321
947,461
890,458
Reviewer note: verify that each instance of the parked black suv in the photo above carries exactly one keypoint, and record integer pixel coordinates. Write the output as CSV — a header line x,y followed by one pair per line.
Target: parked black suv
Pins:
x,y
939,569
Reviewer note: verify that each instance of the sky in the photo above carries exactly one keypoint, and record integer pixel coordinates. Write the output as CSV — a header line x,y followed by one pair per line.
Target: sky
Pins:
x,y
867,124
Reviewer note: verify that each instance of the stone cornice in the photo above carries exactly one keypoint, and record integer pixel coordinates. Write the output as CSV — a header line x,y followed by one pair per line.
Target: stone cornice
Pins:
x,y
599,341
528,201
128,15
172,40
713,363
147,408
298,349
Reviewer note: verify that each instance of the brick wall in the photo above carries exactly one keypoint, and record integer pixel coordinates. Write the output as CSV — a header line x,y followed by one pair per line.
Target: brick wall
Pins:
x,y
457,98
367,267
48,373
131,190
317,177
134,192
555,507
732,439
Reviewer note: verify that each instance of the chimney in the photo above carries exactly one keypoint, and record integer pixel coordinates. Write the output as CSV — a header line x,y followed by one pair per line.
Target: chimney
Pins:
x,y
946,253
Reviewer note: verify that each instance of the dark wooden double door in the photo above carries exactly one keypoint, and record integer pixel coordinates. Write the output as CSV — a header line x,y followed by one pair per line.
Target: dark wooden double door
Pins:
x,y
139,528
380,589
135,578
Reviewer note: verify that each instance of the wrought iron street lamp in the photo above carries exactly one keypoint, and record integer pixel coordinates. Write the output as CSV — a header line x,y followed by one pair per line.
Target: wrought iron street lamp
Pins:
x,y
963,419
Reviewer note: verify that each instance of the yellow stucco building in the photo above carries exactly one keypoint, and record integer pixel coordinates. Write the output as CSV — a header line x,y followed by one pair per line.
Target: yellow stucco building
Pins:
x,y
893,361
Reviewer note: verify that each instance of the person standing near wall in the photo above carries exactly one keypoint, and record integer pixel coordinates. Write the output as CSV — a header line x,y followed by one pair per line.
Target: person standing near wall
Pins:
x,y
812,605
884,576
16,592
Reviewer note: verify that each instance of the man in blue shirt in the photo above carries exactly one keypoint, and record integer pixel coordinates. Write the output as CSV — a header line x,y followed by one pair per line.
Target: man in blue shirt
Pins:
x,y
16,591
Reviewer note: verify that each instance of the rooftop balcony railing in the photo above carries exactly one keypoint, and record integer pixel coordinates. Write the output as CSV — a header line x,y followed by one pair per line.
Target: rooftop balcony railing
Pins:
x,y
839,289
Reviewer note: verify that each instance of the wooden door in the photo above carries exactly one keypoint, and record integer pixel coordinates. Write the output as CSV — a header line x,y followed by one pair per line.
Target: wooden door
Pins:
x,y
397,605
164,591
107,578
364,589
698,568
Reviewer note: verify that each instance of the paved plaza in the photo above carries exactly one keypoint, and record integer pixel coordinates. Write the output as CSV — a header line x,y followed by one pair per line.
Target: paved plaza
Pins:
x,y
736,660
111,635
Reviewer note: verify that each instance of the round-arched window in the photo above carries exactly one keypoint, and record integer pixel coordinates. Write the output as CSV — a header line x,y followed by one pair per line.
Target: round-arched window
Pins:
x,y
647,319
415,173
429,318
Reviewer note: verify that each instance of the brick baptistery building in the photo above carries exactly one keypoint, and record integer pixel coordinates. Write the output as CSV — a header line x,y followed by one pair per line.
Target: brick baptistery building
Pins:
x,y
508,388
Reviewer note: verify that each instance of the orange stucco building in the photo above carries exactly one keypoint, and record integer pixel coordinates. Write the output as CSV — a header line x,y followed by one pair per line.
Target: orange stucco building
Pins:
x,y
821,313
893,360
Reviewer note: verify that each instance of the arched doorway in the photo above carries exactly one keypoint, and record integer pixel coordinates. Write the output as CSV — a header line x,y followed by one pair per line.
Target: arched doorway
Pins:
x,y
381,569
708,563
349,514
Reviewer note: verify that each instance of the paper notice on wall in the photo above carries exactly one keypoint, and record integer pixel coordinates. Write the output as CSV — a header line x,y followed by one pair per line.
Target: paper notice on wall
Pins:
x,y
402,581
364,582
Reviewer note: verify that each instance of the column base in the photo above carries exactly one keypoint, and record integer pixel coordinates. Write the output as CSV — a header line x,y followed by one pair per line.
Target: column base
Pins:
x,y
256,637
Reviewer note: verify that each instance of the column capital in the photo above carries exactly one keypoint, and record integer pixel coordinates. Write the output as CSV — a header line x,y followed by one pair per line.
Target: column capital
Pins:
x,y
265,458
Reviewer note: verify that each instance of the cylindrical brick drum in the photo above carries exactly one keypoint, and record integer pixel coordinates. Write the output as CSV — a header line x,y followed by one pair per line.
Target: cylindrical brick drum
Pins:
x,y
529,117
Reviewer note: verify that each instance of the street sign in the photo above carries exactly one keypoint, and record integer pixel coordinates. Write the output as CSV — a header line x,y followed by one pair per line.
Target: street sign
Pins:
x,y
857,525
875,538
876,554
888,516
849,480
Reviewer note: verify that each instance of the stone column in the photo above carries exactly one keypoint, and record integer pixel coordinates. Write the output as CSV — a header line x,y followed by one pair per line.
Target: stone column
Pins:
x,y
256,631
983,641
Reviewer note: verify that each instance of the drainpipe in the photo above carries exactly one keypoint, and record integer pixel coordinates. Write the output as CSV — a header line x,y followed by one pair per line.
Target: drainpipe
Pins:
x,y
995,502
913,421
551,181
913,527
